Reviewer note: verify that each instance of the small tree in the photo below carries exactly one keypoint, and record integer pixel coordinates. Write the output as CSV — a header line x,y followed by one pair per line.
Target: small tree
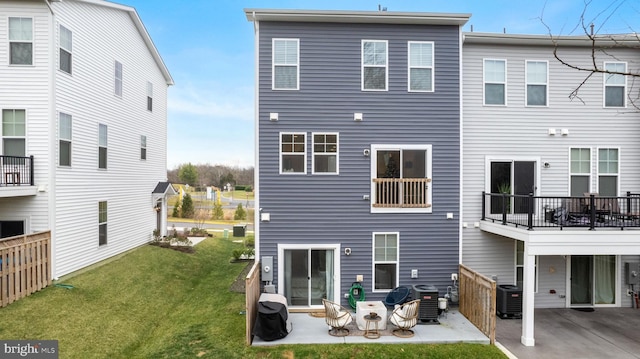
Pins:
x,y
240,213
188,174
218,213
200,217
187,206
176,209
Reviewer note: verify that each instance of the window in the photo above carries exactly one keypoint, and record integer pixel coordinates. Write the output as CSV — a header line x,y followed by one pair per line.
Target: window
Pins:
x,y
149,96
374,65
512,178
14,133
495,74
286,68
537,83
325,153
64,138
580,171
143,147
401,178
20,41
615,84
102,146
520,267
102,223
66,47
385,261
293,156
118,78
421,66
608,172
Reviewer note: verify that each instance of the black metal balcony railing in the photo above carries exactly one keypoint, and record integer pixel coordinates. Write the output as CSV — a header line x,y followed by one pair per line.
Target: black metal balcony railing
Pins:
x,y
16,171
590,211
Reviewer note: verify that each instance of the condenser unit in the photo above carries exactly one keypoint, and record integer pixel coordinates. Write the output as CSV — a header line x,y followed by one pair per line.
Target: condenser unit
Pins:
x,y
428,295
509,301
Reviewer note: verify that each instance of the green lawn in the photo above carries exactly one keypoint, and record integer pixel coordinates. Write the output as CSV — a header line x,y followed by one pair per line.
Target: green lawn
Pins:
x,y
159,303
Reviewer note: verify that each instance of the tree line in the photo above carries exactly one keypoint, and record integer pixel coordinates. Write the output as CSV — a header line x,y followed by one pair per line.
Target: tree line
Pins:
x,y
211,175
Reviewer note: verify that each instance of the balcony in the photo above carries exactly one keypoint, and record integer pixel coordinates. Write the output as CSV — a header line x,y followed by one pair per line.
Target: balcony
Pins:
x,y
16,176
401,193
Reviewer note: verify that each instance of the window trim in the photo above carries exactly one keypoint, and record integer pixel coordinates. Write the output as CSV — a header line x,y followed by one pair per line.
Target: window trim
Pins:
x,y
118,86
2,134
149,96
105,223
587,174
374,262
386,66
61,139
281,154
105,146
31,41
484,83
62,48
273,64
528,82
143,147
597,167
326,154
604,85
432,67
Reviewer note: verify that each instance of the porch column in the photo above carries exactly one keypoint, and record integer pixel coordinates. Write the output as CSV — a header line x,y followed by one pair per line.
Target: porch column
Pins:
x,y
528,283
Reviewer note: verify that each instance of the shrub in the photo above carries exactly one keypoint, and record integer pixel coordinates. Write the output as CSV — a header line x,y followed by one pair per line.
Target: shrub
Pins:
x,y
249,189
250,241
176,210
239,188
240,213
218,213
187,206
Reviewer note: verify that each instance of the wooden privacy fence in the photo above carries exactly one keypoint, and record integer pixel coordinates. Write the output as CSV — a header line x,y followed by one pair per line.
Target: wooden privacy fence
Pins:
x,y
25,266
252,294
478,301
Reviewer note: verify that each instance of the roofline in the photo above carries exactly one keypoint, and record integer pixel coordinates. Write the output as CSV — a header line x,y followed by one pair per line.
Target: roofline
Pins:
x,y
377,17
613,40
143,31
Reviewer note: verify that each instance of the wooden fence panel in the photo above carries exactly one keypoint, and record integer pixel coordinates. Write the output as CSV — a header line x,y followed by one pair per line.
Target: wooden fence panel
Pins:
x,y
25,266
478,301
252,295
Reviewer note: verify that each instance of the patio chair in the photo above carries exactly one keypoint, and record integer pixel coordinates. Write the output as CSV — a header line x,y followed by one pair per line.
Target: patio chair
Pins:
x,y
405,317
337,317
396,296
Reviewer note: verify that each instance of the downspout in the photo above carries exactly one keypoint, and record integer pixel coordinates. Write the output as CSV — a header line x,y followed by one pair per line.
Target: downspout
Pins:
x,y
256,176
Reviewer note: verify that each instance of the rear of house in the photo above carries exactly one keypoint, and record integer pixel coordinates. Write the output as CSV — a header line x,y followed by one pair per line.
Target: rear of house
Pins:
x,y
358,150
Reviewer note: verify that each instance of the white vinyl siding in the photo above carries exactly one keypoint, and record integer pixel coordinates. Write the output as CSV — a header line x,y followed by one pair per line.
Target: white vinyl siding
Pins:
x,y
375,74
325,153
615,84
117,78
386,249
421,69
20,41
608,171
495,85
66,49
537,79
286,60
64,140
293,154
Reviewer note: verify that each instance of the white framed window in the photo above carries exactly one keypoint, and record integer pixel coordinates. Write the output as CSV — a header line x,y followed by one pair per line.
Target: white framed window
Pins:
x,y
580,171
495,82
325,153
401,178
286,64
386,254
608,171
102,223
66,49
615,85
102,146
143,147
64,139
14,135
20,41
520,267
537,80
421,71
149,96
293,154
117,78
375,75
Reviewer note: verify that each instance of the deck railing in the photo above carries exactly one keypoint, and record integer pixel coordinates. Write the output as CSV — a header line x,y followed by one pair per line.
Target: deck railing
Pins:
x,y
589,211
16,171
252,295
401,192
25,266
478,301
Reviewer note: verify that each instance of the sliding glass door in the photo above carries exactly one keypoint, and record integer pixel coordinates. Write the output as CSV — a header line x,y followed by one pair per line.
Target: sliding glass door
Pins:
x,y
593,280
308,276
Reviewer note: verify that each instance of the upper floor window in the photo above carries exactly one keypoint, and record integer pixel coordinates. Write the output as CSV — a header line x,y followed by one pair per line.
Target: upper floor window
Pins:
x,y
118,78
615,85
286,64
537,83
66,47
374,65
580,171
401,178
495,75
20,41
293,156
149,96
143,147
325,153
608,171
102,223
102,146
385,261
64,140
421,66
14,133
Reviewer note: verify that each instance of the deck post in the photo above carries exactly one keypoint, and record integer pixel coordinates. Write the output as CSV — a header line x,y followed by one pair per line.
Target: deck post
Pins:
x,y
528,284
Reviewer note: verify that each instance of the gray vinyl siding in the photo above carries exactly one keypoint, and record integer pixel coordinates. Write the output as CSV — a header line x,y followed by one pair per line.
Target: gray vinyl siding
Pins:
x,y
323,209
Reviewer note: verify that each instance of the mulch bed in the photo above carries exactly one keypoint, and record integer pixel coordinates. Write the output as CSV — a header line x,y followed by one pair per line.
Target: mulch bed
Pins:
x,y
238,285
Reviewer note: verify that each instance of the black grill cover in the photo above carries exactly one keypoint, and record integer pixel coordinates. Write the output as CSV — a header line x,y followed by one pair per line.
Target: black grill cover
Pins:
x,y
271,323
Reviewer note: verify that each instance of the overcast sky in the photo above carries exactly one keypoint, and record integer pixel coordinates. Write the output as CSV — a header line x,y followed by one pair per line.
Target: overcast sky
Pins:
x,y
208,47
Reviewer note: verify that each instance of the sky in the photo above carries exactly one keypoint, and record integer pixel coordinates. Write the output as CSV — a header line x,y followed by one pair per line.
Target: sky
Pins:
x,y
208,47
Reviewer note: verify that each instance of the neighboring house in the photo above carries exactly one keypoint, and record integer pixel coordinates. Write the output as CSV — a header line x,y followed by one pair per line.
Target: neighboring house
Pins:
x,y
358,150
524,135
83,95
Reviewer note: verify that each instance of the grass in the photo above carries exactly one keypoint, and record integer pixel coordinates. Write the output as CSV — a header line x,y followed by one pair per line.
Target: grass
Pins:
x,y
158,303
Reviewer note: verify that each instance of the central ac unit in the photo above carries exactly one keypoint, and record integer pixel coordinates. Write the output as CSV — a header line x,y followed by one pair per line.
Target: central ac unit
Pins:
x,y
509,301
428,295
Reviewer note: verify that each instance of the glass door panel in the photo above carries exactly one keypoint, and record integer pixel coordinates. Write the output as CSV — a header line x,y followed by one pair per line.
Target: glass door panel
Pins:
x,y
308,276
296,278
581,283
